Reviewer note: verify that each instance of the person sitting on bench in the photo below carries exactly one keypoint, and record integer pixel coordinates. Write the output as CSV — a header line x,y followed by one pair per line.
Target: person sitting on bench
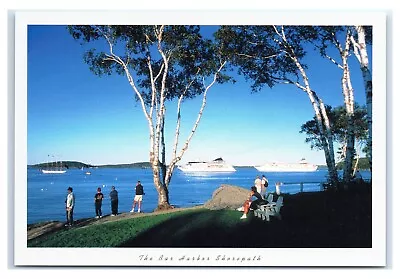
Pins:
x,y
252,204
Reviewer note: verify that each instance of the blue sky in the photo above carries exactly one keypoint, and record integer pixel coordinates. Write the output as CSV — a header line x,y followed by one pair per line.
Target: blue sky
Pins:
x,y
75,115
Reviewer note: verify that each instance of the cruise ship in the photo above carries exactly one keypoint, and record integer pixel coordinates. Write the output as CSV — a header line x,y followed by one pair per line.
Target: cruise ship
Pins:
x,y
301,166
217,165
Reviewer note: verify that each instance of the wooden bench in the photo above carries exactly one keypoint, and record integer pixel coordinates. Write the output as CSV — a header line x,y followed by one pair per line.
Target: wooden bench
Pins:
x,y
271,209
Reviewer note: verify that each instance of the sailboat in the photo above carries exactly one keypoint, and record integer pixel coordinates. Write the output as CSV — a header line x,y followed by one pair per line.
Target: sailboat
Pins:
x,y
54,168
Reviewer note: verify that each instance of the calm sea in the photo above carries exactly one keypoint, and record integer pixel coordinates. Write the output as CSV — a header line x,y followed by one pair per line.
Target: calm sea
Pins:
x,y
47,192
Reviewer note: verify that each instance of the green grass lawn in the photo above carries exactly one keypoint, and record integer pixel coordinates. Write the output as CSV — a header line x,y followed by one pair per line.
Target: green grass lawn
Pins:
x,y
110,234
322,220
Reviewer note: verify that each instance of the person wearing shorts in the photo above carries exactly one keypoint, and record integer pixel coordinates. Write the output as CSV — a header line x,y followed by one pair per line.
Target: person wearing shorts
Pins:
x,y
138,197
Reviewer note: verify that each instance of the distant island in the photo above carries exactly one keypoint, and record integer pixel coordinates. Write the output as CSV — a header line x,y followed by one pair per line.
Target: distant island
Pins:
x,y
138,165
363,164
80,165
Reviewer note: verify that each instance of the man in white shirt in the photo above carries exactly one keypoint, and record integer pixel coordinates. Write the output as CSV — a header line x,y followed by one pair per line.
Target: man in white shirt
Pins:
x,y
69,206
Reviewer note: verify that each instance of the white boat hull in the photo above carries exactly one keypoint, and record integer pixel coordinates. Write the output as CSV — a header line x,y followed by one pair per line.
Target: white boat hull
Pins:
x,y
283,167
269,169
227,169
214,166
53,171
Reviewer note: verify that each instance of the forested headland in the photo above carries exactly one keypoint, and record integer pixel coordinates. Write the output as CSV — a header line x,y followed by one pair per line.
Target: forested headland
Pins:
x,y
79,165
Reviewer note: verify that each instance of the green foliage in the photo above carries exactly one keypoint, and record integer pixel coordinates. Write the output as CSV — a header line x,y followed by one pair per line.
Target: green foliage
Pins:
x,y
338,122
191,56
65,164
363,164
79,165
259,53
140,165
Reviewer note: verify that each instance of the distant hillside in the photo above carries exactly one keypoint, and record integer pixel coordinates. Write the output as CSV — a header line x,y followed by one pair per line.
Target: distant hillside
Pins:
x,y
138,165
66,164
363,164
79,165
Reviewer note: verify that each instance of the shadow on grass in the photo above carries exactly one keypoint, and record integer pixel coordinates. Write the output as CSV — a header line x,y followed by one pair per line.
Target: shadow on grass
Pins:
x,y
310,220
198,229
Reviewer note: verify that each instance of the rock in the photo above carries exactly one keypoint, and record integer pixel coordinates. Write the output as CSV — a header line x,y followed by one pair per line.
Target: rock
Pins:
x,y
227,197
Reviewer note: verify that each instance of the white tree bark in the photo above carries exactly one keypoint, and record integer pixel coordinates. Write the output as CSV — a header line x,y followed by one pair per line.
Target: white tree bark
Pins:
x,y
177,157
326,136
360,51
327,125
348,96
356,163
155,115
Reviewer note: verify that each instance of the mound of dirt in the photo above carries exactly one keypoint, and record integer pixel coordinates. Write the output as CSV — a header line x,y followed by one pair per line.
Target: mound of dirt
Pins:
x,y
227,197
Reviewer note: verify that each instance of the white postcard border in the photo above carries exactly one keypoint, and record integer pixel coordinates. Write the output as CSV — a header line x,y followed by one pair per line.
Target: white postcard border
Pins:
x,y
375,256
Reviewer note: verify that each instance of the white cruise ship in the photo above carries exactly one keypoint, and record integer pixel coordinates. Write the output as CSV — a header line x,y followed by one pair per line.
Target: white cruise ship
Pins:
x,y
301,166
217,165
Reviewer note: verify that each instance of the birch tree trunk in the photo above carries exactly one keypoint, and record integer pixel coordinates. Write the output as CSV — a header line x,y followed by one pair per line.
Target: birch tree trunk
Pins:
x,y
329,138
360,51
326,136
175,156
348,97
356,163
160,56
349,105
159,182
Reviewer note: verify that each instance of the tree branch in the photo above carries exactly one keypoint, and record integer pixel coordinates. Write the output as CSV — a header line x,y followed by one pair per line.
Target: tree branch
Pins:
x,y
178,121
336,42
184,148
356,48
259,57
333,61
118,60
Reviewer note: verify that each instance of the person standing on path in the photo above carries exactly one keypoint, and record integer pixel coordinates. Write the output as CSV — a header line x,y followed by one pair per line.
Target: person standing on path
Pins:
x,y
138,197
98,200
114,201
69,207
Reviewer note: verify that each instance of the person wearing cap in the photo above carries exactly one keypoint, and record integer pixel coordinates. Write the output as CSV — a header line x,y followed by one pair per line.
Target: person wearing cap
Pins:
x,y
98,200
69,207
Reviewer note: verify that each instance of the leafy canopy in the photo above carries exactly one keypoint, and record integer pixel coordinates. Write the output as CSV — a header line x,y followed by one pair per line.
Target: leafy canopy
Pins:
x,y
191,56
338,121
261,54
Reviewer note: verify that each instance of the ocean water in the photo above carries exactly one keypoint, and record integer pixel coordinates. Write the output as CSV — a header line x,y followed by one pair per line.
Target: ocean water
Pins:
x,y
47,192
